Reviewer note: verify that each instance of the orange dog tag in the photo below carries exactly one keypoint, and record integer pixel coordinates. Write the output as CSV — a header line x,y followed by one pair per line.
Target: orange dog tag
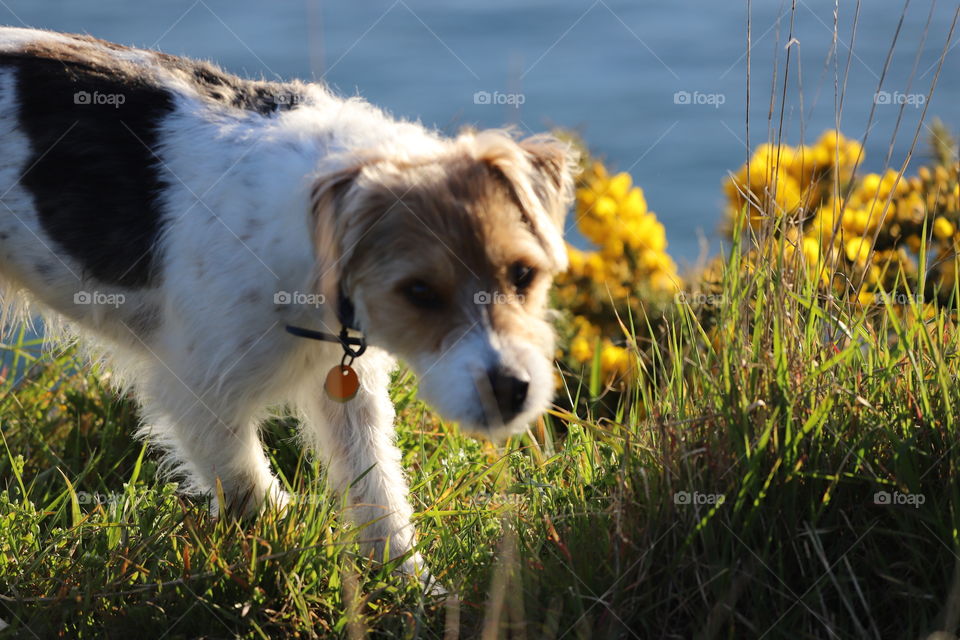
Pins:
x,y
342,383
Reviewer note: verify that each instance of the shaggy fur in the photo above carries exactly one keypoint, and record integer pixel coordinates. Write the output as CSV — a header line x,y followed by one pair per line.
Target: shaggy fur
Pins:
x,y
179,218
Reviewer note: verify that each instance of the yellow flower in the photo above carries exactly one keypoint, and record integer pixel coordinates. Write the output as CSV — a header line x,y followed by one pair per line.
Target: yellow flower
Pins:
x,y
605,207
586,197
585,328
599,171
614,359
940,173
942,228
634,205
612,248
911,209
871,183
619,185
857,250
593,229
811,250
831,139
575,259
665,281
865,297
595,267
580,349
855,221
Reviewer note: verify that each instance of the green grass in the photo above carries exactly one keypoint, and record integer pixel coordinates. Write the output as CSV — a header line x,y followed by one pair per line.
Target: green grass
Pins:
x,y
793,409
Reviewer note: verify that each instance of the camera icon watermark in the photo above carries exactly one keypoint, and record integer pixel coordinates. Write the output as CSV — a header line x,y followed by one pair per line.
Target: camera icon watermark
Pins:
x,y
697,98
888,498
697,498
497,297
299,298
115,100
498,98
99,298
899,98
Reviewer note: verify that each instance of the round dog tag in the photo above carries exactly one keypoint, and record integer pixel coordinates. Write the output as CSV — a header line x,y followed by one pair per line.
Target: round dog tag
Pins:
x,y
342,383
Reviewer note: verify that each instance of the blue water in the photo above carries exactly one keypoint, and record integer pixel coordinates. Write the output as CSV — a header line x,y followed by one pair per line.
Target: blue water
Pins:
x,y
608,68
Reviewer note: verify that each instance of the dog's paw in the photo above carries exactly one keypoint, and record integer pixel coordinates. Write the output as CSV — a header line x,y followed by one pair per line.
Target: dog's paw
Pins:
x,y
416,567
247,505
432,587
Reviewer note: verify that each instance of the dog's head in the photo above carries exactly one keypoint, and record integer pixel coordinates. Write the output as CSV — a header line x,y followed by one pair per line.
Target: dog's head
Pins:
x,y
448,261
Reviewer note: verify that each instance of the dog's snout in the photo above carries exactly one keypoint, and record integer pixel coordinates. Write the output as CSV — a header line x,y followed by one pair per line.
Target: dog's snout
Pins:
x,y
510,392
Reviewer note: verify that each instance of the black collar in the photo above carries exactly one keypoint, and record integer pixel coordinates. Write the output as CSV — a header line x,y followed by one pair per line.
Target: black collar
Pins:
x,y
346,314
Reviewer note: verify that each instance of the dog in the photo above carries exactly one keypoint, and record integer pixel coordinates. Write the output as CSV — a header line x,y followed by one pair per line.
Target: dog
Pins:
x,y
194,229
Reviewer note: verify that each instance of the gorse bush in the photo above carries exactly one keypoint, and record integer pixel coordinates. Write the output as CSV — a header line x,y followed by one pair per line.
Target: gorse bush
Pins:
x,y
863,237
879,240
604,287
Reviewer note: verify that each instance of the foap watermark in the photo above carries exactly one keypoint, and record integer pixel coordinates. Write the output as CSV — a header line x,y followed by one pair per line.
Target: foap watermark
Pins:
x,y
299,298
698,98
99,298
285,99
888,498
86,497
488,500
96,98
497,97
899,98
497,297
698,298
898,297
697,498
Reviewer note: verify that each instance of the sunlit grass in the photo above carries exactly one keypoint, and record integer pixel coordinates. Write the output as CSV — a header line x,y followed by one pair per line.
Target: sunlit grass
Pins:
x,y
796,417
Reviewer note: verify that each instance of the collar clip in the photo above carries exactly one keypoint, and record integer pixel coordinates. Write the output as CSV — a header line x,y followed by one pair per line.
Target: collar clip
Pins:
x,y
352,347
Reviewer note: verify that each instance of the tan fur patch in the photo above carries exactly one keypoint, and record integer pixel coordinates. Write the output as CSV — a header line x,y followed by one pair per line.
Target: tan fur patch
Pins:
x,y
458,223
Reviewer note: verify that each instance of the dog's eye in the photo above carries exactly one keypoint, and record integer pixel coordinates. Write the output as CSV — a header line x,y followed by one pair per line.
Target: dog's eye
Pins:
x,y
522,275
420,294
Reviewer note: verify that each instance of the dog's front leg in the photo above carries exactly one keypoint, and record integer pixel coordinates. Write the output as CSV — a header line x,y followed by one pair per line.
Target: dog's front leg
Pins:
x,y
355,440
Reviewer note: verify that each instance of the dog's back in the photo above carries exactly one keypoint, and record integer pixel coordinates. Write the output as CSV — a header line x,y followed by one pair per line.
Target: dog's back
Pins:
x,y
94,171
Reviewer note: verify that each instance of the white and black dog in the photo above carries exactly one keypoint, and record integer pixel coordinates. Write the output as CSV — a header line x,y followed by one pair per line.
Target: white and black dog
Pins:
x,y
188,224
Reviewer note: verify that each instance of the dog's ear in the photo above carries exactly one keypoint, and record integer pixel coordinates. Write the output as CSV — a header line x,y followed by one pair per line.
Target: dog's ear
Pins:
x,y
556,164
330,199
541,171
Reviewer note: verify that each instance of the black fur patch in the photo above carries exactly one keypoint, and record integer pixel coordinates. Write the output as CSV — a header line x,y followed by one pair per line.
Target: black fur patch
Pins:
x,y
265,98
92,122
95,181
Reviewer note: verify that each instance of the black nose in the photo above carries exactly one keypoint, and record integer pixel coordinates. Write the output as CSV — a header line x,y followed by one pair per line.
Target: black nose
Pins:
x,y
509,391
